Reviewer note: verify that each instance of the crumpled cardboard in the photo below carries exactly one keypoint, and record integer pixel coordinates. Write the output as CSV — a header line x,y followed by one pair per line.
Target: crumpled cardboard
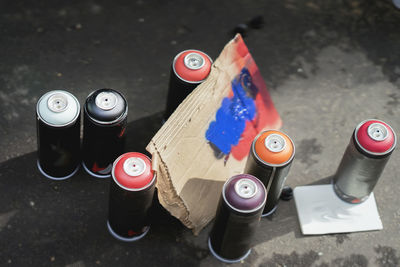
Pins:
x,y
207,139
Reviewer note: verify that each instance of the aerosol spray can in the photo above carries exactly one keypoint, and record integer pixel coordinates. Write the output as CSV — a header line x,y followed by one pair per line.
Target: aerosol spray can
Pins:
x,y
104,125
189,69
270,158
58,134
131,195
370,147
238,214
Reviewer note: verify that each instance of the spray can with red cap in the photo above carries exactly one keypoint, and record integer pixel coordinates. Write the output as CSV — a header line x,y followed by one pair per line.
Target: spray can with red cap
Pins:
x,y
238,215
270,158
370,147
131,195
189,69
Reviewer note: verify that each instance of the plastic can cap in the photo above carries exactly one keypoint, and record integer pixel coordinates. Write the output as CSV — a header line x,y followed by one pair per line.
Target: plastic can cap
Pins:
x,y
106,100
273,147
244,193
132,171
192,66
375,137
58,108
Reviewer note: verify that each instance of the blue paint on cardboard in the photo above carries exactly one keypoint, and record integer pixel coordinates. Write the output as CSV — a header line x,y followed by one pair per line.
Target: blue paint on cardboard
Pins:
x,y
231,117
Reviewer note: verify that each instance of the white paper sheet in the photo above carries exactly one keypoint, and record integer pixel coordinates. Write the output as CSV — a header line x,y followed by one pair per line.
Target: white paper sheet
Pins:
x,y
320,211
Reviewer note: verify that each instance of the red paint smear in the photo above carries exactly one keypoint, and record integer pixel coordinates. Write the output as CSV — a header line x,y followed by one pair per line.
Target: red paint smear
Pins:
x,y
131,233
241,47
241,150
267,116
121,133
96,168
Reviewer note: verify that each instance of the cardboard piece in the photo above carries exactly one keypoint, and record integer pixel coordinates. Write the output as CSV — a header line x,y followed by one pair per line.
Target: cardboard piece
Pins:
x,y
320,211
208,137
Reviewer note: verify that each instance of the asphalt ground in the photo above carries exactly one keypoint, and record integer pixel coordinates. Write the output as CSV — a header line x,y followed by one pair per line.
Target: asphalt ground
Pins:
x,y
328,66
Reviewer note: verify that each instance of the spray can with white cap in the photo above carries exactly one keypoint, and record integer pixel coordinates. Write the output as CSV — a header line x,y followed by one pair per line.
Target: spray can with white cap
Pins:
x,y
58,134
104,131
131,195
370,147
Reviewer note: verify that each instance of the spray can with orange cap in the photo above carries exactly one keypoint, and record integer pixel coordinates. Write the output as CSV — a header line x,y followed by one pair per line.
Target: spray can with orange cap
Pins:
x,y
131,195
189,69
270,158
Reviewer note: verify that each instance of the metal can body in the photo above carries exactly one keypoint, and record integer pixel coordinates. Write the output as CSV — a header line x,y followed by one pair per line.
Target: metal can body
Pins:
x,y
104,131
131,195
239,211
189,69
58,134
271,156
369,150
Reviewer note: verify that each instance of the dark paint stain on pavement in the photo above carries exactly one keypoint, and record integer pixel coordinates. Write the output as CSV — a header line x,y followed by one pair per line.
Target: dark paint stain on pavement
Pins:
x,y
340,238
294,259
392,103
354,260
306,149
387,256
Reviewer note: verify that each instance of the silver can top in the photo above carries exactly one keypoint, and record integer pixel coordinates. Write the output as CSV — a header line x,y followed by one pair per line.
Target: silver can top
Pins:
x,y
377,131
194,61
246,188
106,106
58,108
275,143
134,166
106,100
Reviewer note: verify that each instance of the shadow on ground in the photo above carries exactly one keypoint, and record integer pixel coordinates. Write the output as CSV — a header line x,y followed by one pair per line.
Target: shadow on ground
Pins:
x,y
64,222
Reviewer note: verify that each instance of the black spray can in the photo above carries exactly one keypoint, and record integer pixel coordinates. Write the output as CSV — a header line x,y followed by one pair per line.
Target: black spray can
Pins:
x,y
370,147
270,158
189,69
237,218
131,195
58,134
104,124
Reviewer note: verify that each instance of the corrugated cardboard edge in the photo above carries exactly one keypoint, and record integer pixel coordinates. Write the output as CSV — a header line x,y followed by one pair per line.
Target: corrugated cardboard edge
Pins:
x,y
169,199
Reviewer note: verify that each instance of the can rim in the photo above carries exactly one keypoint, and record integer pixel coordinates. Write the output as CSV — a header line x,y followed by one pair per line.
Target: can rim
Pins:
x,y
108,123
224,259
253,150
126,239
95,175
59,125
131,189
54,177
370,152
239,210
176,58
